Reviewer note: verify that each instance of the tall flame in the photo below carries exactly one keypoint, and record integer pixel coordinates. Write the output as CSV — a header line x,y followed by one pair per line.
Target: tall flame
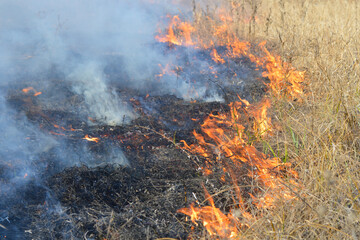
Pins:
x,y
224,139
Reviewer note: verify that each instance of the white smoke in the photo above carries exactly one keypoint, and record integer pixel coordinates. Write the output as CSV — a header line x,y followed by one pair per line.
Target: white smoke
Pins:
x,y
103,103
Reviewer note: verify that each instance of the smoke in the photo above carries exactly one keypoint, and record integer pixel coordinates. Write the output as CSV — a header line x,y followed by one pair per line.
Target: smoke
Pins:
x,y
81,39
85,49
103,104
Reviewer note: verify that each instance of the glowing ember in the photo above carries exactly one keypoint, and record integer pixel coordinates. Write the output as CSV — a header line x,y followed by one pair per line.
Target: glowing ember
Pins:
x,y
57,134
65,129
28,89
91,139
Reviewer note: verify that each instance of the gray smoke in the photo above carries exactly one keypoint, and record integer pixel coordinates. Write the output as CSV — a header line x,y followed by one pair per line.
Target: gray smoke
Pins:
x,y
103,103
90,49
77,37
72,40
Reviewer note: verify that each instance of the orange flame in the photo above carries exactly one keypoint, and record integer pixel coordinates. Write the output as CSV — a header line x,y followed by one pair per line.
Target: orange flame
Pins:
x,y
216,57
91,139
185,30
28,89
215,222
167,70
224,138
262,123
284,79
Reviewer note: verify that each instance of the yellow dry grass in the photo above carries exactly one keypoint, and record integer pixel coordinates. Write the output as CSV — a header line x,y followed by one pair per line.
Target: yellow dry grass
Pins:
x,y
321,134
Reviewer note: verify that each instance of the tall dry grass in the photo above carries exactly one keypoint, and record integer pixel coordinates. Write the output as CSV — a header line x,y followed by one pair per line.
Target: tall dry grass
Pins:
x,y
321,134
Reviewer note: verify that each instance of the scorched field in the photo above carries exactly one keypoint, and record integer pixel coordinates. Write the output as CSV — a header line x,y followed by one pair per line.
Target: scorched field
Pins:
x,y
179,119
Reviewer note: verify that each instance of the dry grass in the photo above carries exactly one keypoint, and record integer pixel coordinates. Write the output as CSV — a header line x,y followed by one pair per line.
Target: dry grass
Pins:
x,y
321,134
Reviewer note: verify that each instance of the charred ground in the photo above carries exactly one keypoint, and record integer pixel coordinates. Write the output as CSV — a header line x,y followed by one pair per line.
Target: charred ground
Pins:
x,y
97,199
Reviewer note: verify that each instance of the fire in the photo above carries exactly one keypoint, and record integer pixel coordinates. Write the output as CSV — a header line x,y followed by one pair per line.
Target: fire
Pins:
x,y
224,139
185,30
284,80
28,89
60,130
167,70
262,123
64,129
91,139
57,134
216,57
215,222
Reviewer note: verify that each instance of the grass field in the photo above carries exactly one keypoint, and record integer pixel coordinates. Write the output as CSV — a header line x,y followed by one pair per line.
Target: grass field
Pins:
x,y
320,134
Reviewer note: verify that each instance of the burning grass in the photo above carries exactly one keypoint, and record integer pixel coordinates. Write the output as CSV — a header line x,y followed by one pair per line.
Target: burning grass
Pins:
x,y
322,124
318,134
282,167
226,142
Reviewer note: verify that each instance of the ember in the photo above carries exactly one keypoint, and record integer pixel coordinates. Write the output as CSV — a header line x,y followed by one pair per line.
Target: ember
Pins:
x,y
28,89
91,139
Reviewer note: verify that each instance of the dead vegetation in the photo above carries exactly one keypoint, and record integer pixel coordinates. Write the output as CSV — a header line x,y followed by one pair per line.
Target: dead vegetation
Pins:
x,y
319,135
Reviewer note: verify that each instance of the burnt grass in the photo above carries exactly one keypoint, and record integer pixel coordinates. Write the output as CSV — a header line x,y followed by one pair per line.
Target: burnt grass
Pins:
x,y
139,201
103,200
111,201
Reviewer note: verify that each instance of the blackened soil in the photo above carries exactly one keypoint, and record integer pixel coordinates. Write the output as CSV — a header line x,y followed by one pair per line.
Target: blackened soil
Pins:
x,y
103,200
111,201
